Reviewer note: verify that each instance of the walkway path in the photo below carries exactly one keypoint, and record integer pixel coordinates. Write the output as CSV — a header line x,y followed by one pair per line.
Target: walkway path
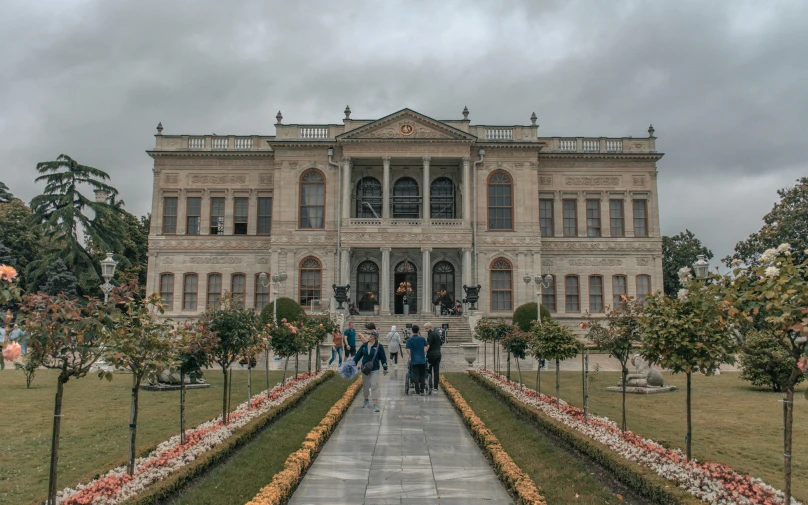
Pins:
x,y
415,451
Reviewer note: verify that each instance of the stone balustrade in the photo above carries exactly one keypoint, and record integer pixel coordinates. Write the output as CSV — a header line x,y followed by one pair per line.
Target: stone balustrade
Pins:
x,y
406,223
599,145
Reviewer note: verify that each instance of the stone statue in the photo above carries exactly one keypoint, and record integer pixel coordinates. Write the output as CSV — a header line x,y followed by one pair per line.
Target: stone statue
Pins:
x,y
644,375
167,377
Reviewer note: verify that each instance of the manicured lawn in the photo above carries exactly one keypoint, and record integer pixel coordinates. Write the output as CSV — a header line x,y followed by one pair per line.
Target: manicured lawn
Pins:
x,y
561,478
733,422
238,479
94,426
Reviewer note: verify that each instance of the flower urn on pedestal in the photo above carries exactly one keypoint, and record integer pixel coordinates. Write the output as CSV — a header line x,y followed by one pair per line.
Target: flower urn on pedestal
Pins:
x,y
325,352
470,353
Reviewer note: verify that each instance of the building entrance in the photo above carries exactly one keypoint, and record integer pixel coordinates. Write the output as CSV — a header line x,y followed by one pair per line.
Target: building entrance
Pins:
x,y
405,287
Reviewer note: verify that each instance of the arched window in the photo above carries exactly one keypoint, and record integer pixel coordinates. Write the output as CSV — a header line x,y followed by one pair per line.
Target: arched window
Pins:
x,y
643,287
167,290
261,293
214,291
405,199
501,285
572,293
189,291
443,282
312,199
311,272
442,199
500,201
619,290
238,289
368,196
367,278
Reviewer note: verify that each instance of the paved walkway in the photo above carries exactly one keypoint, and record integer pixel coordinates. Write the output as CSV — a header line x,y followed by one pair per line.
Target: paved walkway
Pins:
x,y
415,451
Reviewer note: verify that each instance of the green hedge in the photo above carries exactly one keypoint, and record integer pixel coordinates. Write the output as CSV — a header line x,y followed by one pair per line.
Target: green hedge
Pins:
x,y
287,308
526,314
643,481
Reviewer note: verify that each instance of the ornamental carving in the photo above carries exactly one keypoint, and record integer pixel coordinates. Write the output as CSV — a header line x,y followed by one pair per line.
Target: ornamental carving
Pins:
x,y
594,262
214,260
303,239
208,243
262,261
405,129
592,181
172,178
289,152
602,246
168,260
546,180
621,164
438,238
172,143
218,179
529,241
639,180
266,179
547,262
643,262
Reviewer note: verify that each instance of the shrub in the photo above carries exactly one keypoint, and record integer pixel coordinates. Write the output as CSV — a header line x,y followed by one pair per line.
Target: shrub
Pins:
x,y
766,363
525,315
287,308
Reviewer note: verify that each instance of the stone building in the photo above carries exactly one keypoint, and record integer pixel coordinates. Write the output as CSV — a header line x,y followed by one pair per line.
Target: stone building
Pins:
x,y
405,206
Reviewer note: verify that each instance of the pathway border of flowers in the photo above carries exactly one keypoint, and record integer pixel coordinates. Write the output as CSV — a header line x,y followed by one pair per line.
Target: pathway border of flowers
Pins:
x,y
664,475
284,483
171,466
509,473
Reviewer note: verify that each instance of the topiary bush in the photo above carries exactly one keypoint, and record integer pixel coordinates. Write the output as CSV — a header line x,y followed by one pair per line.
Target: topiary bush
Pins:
x,y
287,308
765,362
525,314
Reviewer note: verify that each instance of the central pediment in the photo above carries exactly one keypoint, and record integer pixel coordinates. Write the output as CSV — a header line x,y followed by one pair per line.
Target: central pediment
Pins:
x,y
407,124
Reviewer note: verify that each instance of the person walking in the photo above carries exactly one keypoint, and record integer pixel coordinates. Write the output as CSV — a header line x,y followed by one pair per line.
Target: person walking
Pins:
x,y
394,344
350,336
416,346
371,352
336,338
433,355
18,335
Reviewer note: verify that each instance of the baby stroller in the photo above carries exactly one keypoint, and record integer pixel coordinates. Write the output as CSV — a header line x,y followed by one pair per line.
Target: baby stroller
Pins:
x,y
409,380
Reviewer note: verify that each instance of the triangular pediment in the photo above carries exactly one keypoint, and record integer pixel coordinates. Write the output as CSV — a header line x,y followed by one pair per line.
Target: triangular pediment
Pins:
x,y
407,124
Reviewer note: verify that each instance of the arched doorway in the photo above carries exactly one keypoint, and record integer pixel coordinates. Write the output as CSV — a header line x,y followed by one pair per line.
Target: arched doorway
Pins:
x,y
405,199
443,284
442,199
367,278
406,287
369,196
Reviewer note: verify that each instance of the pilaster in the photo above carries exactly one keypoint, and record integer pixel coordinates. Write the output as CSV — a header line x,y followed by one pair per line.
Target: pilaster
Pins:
x,y
426,277
426,189
385,281
386,188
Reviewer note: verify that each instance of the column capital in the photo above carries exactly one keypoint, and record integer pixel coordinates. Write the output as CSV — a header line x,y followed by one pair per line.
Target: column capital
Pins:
x,y
426,159
386,159
466,159
385,249
426,249
466,250
346,249
346,159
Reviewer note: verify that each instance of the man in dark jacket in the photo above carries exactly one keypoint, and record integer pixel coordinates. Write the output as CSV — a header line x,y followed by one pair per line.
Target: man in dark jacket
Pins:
x,y
433,354
373,351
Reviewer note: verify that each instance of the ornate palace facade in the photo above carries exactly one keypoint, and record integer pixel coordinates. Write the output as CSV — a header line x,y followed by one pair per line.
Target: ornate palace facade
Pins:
x,y
405,209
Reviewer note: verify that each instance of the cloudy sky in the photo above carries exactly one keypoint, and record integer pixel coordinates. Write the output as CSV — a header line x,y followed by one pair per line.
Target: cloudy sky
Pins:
x,y
724,83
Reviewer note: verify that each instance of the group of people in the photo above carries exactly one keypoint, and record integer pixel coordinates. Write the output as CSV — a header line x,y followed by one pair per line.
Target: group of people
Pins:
x,y
421,352
14,335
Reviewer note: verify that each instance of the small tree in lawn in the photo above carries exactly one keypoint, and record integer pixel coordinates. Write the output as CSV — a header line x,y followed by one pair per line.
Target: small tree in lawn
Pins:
x,y
284,342
618,336
686,334
557,342
193,346
141,344
237,329
516,342
484,330
765,362
772,297
69,337
319,329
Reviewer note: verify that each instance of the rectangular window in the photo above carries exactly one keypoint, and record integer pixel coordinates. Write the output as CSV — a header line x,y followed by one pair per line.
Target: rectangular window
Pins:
x,y
261,294
643,287
167,290
169,216
619,290
189,287
217,215
546,217
264,216
572,294
501,290
616,217
570,218
238,289
593,218
548,296
240,215
596,293
194,212
640,219
214,291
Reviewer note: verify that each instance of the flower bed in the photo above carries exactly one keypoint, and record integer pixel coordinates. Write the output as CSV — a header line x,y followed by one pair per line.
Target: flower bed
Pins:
x,y
284,482
170,456
508,471
712,482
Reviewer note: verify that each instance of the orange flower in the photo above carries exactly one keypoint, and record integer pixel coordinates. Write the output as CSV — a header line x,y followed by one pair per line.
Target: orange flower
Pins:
x,y
8,273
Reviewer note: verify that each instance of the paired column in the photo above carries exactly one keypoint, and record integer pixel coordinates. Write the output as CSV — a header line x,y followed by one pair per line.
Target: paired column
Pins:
x,y
385,281
467,190
466,276
426,289
426,188
386,190
346,188
345,266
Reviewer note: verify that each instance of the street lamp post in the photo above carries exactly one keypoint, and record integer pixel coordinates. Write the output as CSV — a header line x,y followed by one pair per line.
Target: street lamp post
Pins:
x,y
545,283
701,266
107,272
277,279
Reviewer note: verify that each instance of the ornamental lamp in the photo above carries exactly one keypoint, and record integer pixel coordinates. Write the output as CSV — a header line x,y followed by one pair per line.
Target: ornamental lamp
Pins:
x,y
701,266
108,267
548,280
263,278
526,278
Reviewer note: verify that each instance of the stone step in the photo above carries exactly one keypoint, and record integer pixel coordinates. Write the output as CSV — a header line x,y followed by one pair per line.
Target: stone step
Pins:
x,y
459,330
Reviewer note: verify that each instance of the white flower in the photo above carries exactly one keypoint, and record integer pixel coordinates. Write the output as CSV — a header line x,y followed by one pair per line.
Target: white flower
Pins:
x,y
768,256
684,275
772,272
736,262
783,248
682,295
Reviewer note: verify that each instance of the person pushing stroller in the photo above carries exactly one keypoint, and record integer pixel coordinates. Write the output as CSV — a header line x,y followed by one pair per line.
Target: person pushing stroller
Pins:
x,y
416,350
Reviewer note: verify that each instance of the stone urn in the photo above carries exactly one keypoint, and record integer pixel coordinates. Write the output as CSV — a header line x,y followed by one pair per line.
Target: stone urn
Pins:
x,y
325,353
470,352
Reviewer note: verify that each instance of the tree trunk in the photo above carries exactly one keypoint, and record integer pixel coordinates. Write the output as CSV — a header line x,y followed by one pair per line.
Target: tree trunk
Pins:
x,y
317,359
624,372
229,394
689,436
519,372
285,366
485,354
57,425
297,363
788,421
182,407
224,397
558,381
249,385
266,353
538,376
586,384
130,467
309,362
508,365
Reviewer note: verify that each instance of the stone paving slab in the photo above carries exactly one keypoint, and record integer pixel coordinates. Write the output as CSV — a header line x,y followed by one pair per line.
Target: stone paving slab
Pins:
x,y
415,451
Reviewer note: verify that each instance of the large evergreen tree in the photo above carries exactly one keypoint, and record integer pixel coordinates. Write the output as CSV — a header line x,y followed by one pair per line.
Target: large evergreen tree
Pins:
x,y
58,279
5,194
61,210
679,251
23,239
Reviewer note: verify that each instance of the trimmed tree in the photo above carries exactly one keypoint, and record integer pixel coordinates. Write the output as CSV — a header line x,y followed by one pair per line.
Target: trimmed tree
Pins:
x,y
554,341
525,315
287,309
193,349
484,330
516,343
285,342
765,362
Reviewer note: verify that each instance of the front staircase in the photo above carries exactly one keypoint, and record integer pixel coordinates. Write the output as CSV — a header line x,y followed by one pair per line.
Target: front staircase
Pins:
x,y
459,331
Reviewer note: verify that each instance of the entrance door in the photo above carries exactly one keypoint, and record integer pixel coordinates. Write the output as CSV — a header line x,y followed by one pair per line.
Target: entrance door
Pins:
x,y
405,287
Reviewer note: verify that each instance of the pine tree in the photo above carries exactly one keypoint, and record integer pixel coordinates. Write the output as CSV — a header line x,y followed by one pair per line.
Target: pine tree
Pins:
x,y
5,194
60,280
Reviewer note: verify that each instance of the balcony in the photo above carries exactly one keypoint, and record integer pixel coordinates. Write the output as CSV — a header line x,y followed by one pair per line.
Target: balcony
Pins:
x,y
395,232
406,223
600,145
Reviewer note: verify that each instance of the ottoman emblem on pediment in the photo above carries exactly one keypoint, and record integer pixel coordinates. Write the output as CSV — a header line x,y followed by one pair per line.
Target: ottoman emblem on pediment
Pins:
x,y
406,129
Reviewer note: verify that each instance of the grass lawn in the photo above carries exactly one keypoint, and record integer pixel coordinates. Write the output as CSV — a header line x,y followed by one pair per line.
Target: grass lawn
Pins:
x,y
95,426
733,422
561,478
239,478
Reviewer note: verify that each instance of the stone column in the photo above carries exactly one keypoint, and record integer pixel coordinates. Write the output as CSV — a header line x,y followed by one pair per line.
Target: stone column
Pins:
x,y
228,213
252,214
425,190
345,266
467,215
386,190
466,276
346,189
182,213
204,225
558,215
581,213
426,276
155,227
605,215
384,296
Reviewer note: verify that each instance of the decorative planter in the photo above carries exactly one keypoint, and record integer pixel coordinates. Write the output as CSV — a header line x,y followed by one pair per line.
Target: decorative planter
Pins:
x,y
325,352
470,353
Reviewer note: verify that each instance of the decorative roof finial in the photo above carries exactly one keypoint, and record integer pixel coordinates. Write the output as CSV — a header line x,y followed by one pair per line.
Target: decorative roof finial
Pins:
x,y
465,112
160,128
347,112
651,131
279,117
533,118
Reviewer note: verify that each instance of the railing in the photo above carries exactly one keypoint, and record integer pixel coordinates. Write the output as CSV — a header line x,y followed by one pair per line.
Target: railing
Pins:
x,y
314,132
219,142
499,133
244,143
567,145
614,145
405,222
591,145
196,142
365,222
446,223
596,145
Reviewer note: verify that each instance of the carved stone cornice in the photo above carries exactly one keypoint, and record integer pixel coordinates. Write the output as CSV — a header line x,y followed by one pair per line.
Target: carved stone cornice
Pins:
x,y
607,156
361,238
207,243
602,245
210,154
307,239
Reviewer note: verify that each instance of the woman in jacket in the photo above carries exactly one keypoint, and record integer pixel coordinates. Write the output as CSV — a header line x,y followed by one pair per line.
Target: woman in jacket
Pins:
x,y
394,345
371,351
